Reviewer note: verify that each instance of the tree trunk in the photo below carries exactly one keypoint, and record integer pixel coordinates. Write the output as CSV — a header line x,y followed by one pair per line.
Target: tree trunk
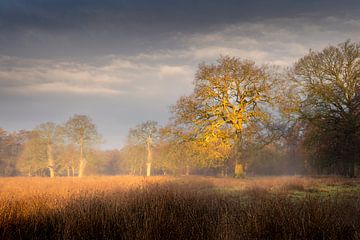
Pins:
x,y
148,169
72,167
187,170
82,162
82,167
50,160
352,169
357,170
239,169
149,157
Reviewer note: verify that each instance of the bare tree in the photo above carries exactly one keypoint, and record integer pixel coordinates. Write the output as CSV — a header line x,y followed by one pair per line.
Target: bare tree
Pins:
x,y
330,83
143,136
81,131
49,133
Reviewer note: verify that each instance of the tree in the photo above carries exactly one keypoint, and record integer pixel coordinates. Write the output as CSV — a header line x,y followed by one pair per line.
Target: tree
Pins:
x,y
11,148
140,139
330,83
4,143
277,153
67,155
33,158
49,133
179,151
133,158
81,131
228,95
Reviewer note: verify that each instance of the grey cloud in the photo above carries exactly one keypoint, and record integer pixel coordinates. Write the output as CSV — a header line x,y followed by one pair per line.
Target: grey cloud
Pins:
x,y
116,76
166,14
278,41
64,28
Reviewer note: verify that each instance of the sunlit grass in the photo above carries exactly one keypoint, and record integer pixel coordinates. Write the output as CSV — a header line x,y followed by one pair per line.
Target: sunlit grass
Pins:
x,y
179,208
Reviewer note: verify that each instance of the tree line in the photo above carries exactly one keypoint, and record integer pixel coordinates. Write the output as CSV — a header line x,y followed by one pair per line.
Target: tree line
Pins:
x,y
49,149
258,119
241,118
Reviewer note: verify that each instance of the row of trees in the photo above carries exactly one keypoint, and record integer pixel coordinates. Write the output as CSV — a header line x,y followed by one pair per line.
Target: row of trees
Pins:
x,y
49,149
262,119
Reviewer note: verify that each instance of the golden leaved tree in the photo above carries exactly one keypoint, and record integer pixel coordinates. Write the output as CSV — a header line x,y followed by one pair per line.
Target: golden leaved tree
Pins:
x,y
230,94
179,151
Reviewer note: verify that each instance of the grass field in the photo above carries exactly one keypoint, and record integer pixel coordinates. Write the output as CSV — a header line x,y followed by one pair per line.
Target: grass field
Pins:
x,y
179,208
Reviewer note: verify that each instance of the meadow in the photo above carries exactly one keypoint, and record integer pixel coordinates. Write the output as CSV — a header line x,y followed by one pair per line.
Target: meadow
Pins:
x,y
125,207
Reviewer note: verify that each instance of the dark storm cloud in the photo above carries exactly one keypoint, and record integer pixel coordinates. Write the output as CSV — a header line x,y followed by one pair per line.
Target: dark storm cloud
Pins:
x,y
156,15
84,28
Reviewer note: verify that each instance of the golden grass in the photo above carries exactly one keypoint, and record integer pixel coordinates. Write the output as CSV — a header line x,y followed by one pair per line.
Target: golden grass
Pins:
x,y
127,207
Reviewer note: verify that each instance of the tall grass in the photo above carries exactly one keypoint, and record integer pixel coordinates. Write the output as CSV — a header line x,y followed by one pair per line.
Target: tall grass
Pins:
x,y
175,208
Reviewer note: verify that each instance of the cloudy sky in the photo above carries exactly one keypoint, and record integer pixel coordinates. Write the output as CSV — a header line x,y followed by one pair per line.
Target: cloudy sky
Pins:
x,y
126,61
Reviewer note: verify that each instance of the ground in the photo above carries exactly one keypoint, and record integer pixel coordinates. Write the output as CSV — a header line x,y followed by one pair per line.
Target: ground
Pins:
x,y
125,207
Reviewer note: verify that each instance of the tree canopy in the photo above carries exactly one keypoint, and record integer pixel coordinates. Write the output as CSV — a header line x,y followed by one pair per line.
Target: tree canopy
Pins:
x,y
330,83
83,132
228,96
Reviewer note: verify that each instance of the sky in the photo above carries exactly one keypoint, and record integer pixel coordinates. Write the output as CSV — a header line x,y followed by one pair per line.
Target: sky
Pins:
x,y
124,62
